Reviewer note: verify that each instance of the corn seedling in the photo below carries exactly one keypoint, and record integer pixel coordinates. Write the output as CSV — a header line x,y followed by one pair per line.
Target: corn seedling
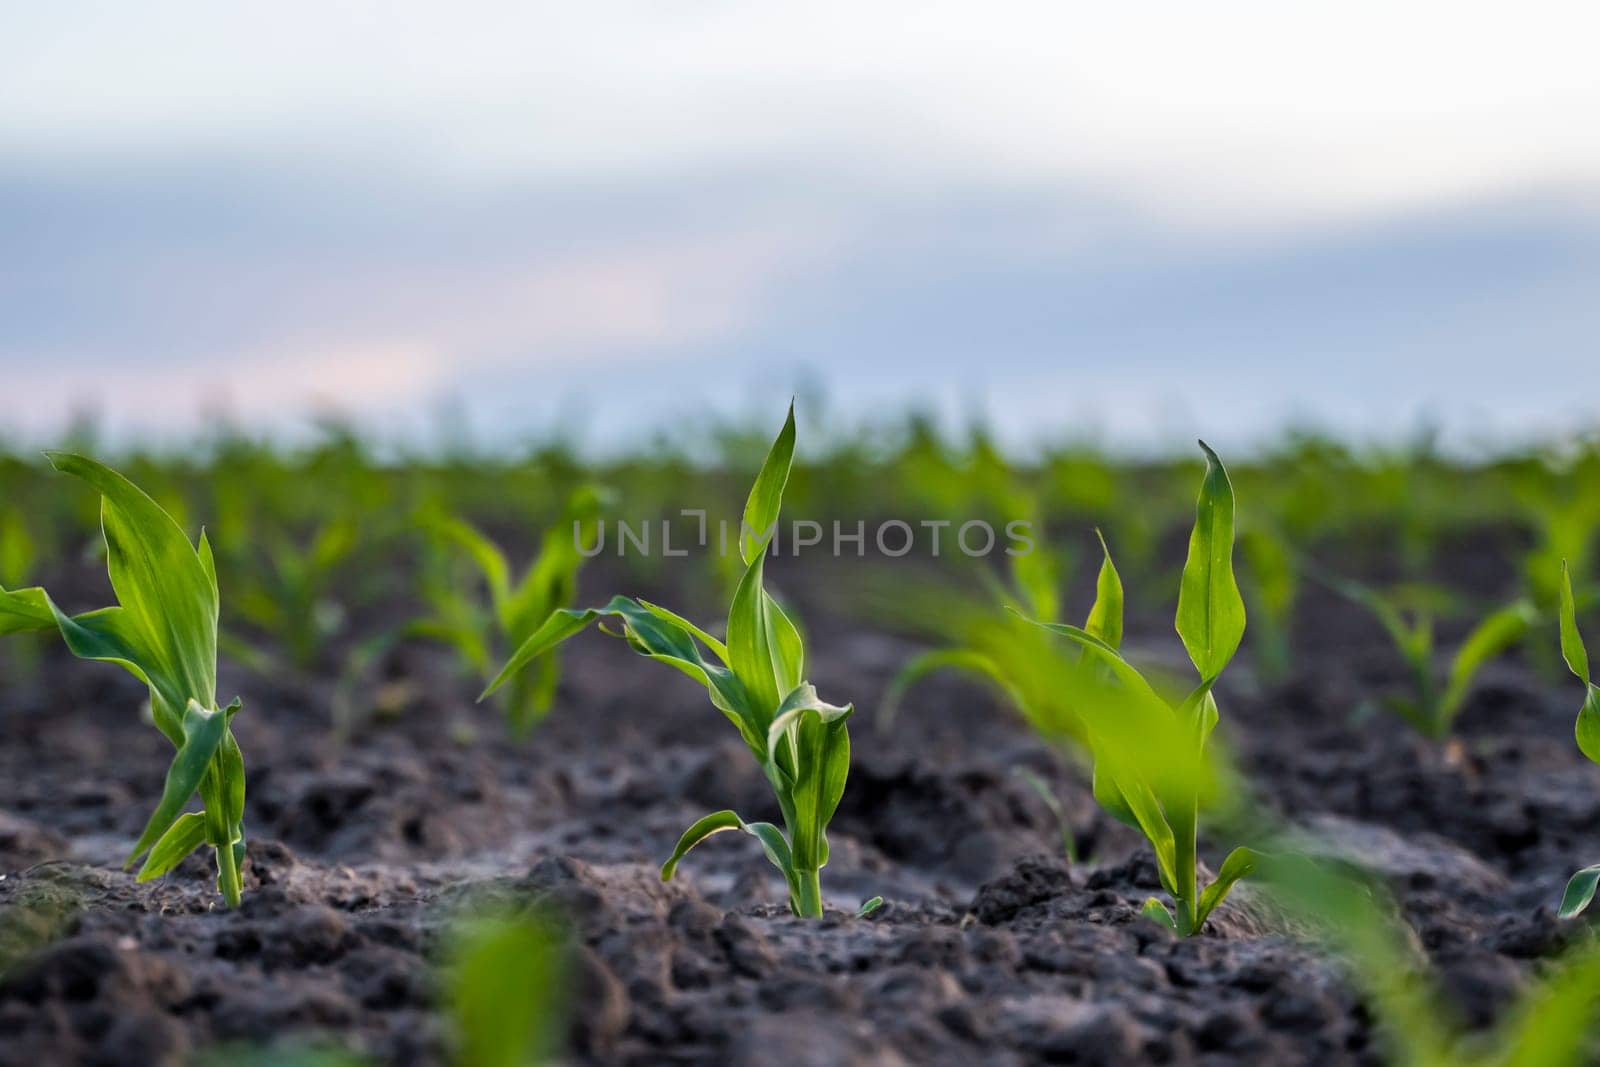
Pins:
x,y
1271,586
1581,888
504,980
1407,616
163,630
1026,666
1152,769
1551,1025
1565,520
289,594
481,633
757,679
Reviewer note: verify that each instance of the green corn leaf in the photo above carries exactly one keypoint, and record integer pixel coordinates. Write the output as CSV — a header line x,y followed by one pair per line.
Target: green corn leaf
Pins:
x,y
504,984
208,561
1109,797
24,611
1341,910
766,495
658,636
1240,863
333,543
1554,1024
1572,648
223,788
1388,614
1131,716
1105,617
1496,633
1099,650
168,598
764,648
1200,709
111,636
1210,609
715,823
1271,569
771,838
1133,727
749,644
776,847
1140,801
182,837
483,552
562,624
532,694
1587,730
1037,574
788,651
203,731
465,638
922,665
553,579
1580,891
719,649
809,759
1156,911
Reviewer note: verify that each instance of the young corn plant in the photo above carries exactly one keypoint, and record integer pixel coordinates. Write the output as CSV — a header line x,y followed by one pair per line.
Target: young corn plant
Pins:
x,y
1152,768
1433,703
1581,888
1551,1024
163,630
484,632
1026,666
757,680
1565,521
504,980
1271,586
288,593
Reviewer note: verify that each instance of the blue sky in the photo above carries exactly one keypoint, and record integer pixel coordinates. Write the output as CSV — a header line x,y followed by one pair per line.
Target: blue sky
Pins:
x,y
1141,224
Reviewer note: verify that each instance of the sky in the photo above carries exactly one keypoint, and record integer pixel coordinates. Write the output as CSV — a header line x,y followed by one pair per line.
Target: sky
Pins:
x,y
1132,222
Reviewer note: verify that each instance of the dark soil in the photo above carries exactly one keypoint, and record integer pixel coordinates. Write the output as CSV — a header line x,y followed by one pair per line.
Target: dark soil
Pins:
x,y
991,948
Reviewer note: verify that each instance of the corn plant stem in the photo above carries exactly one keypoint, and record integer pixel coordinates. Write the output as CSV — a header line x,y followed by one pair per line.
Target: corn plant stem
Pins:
x,y
807,897
227,865
228,875
1184,832
1428,701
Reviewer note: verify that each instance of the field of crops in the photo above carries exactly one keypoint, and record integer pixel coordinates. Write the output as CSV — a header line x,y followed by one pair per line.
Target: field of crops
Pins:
x,y
1263,758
